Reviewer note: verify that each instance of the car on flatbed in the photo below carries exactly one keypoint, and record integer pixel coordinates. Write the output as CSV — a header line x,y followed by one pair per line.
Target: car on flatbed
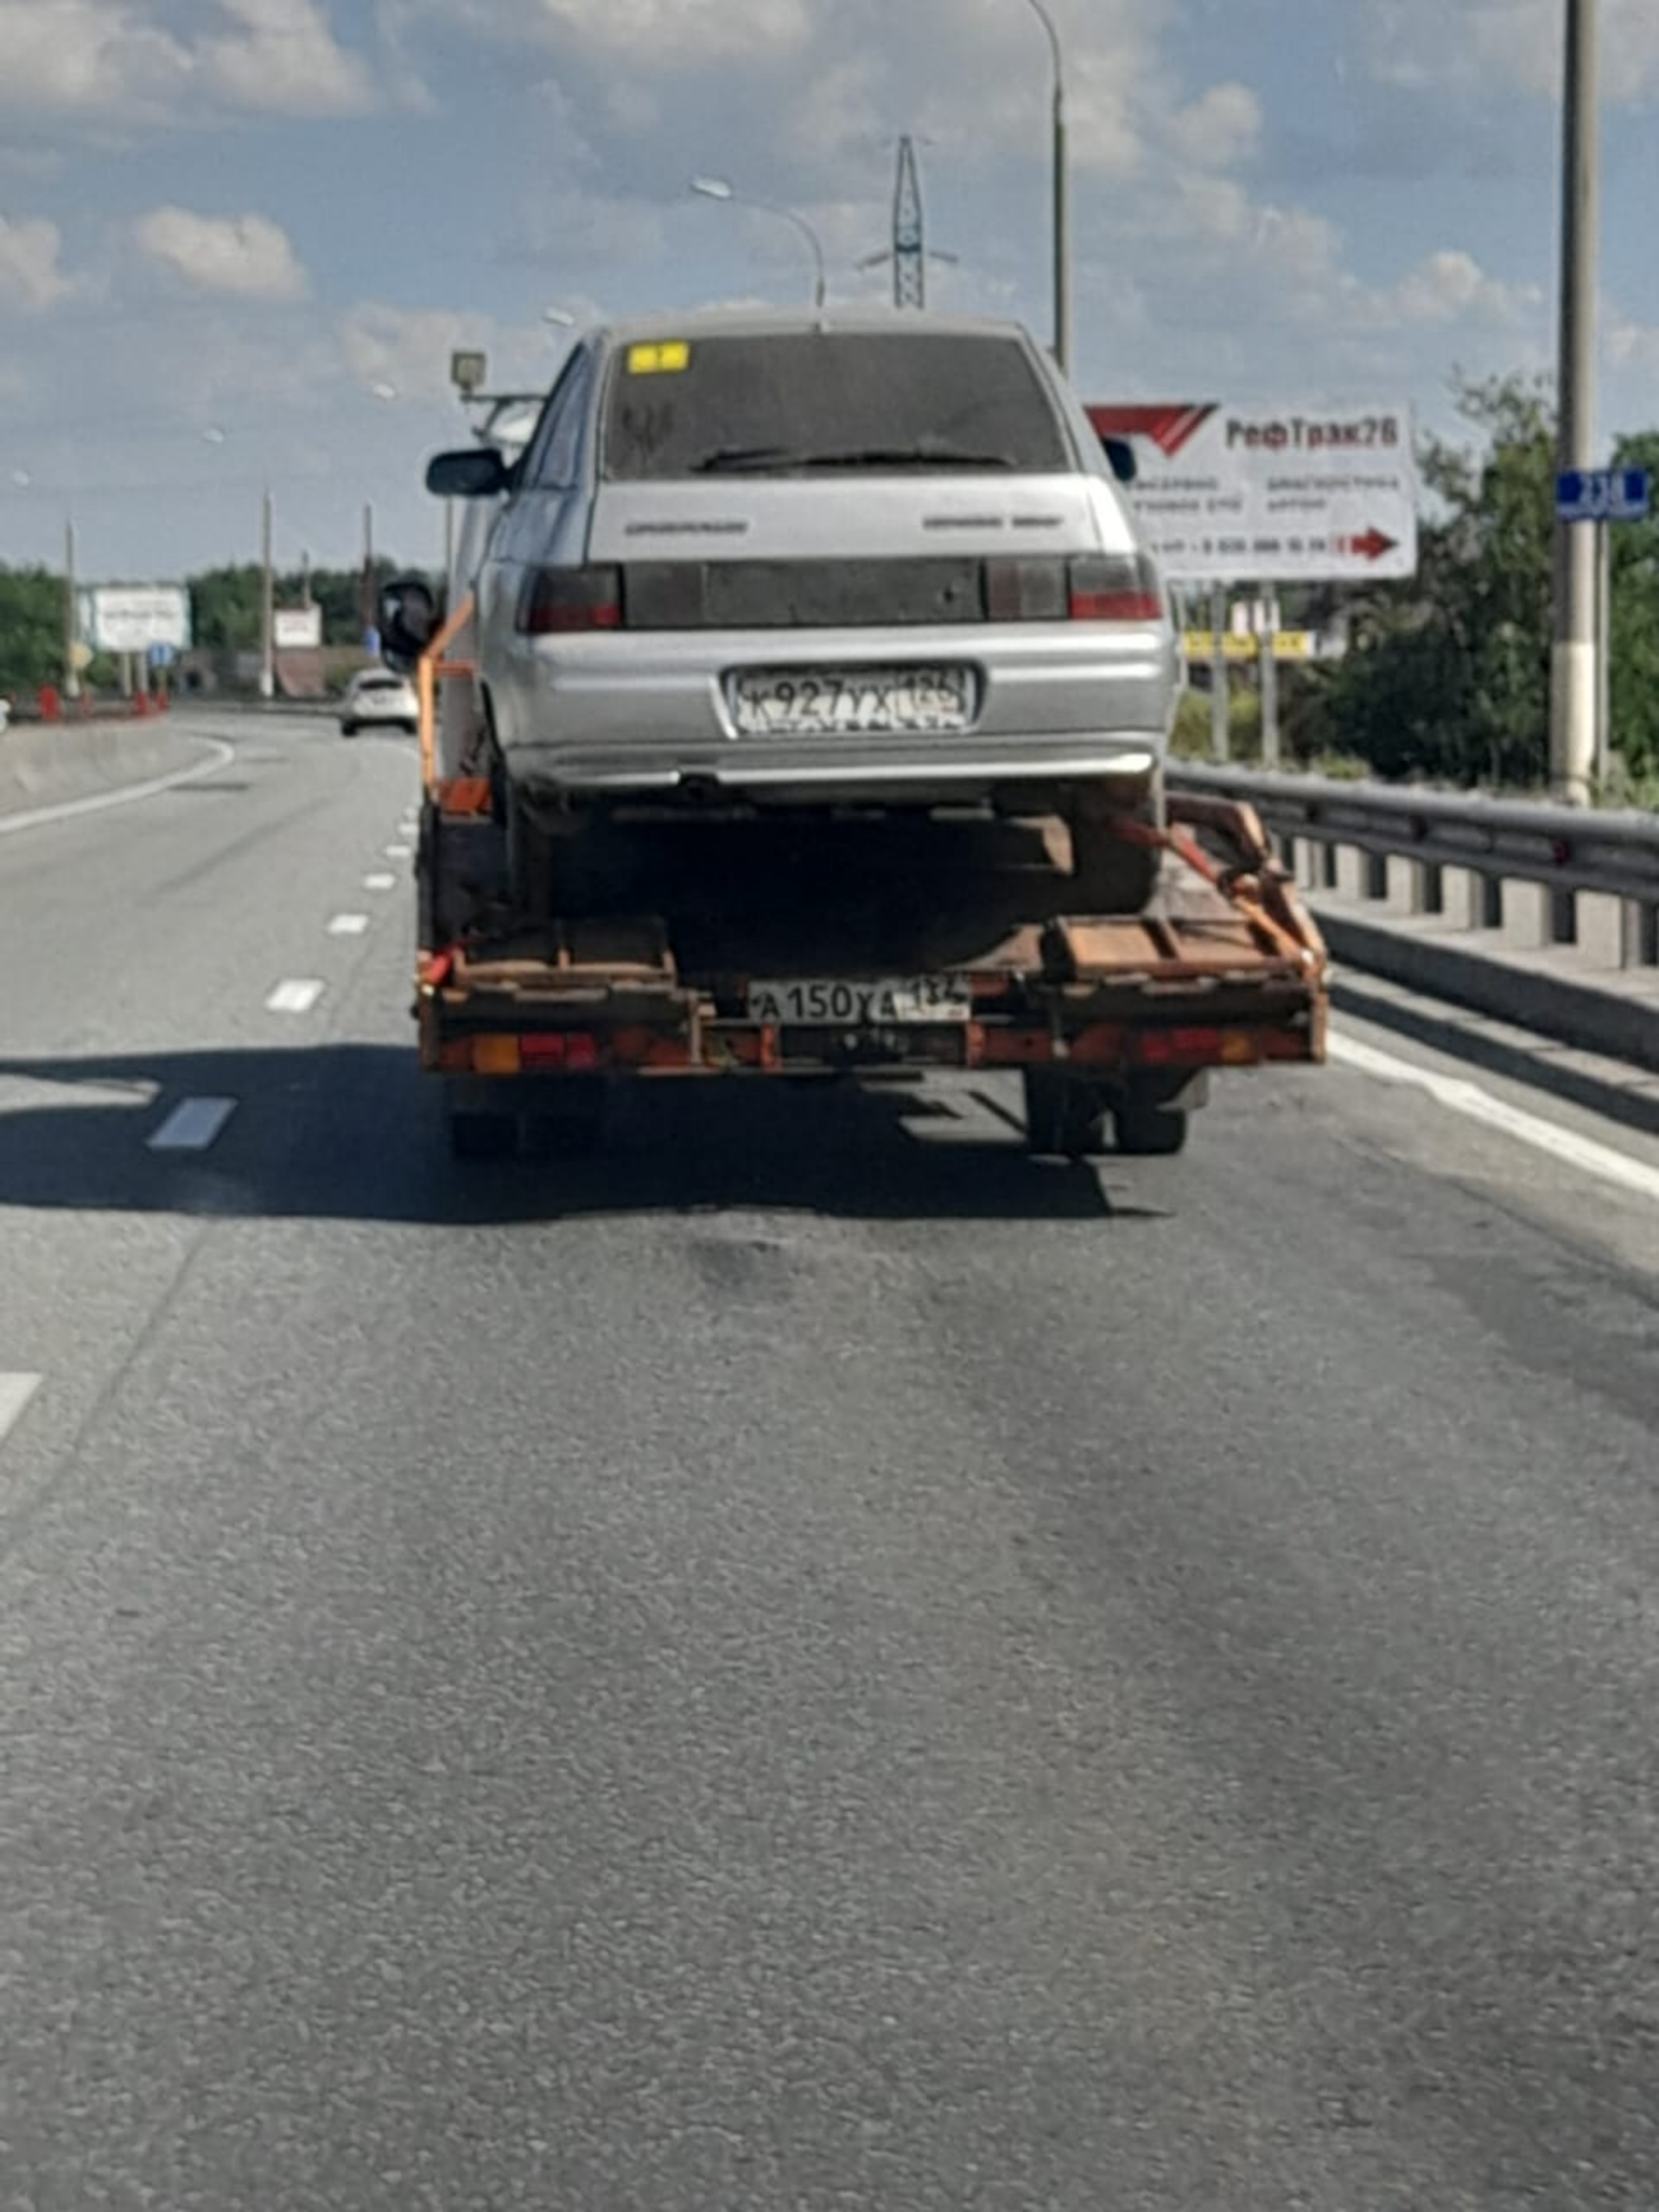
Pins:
x,y
825,560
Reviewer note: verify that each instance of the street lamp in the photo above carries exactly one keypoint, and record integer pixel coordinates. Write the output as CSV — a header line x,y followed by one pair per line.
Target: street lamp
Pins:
x,y
716,187
1574,675
1062,195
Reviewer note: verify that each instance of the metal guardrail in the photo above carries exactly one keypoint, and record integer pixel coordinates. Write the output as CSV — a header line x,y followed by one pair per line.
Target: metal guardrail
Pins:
x,y
1569,851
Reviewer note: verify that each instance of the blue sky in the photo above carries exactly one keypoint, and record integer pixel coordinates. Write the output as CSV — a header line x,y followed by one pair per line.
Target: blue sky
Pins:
x,y
238,238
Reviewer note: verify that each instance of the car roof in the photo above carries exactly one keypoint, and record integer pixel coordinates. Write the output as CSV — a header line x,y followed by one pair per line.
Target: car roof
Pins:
x,y
774,322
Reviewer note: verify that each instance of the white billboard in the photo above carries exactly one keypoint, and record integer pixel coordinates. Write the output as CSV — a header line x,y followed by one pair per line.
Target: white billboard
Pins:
x,y
131,617
1282,495
296,629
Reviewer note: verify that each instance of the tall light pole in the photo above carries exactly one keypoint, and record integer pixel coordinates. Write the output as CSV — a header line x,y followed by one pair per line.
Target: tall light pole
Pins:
x,y
1574,690
716,187
1062,194
267,606
70,615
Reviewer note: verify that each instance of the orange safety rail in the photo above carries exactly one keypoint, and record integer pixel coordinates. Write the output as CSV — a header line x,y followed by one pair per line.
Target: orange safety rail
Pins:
x,y
434,663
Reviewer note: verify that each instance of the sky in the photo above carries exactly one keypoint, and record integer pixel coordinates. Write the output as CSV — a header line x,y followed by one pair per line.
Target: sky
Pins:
x,y
239,238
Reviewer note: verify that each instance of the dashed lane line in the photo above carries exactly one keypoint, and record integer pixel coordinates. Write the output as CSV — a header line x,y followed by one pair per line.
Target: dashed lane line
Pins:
x,y
379,882
1460,1096
398,852
348,924
15,1391
192,1126
298,994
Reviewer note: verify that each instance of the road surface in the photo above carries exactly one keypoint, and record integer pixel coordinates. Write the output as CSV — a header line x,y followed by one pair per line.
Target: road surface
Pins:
x,y
816,1663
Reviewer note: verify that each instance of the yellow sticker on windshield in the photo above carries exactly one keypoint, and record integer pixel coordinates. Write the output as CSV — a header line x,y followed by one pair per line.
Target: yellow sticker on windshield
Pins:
x,y
668,360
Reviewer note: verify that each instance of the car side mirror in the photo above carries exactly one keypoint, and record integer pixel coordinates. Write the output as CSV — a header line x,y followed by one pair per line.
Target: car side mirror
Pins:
x,y
471,473
1120,454
409,621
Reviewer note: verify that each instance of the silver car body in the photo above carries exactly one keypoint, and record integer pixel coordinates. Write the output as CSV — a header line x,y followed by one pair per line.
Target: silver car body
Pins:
x,y
1054,702
375,698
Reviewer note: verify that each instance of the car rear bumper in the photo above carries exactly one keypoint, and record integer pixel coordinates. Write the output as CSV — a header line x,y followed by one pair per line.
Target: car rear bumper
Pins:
x,y
645,711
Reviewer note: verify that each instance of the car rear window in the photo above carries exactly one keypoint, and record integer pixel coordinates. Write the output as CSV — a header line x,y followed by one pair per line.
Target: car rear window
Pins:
x,y
810,401
380,684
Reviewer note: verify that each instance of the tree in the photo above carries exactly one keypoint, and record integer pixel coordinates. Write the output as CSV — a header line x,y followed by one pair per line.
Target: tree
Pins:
x,y
31,629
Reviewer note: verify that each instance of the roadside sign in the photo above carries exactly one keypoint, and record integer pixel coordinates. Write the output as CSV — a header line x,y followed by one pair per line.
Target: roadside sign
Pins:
x,y
161,655
131,617
1308,494
296,629
1604,495
1287,644
371,641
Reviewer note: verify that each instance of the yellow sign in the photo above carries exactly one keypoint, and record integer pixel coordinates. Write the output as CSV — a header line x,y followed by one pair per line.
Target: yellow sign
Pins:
x,y
669,359
1287,644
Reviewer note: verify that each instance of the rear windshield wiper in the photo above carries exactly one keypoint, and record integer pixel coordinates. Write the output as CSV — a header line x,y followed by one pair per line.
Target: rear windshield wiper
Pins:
x,y
760,459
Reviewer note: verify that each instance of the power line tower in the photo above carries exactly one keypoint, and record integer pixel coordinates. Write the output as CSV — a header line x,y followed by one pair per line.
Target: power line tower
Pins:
x,y
910,252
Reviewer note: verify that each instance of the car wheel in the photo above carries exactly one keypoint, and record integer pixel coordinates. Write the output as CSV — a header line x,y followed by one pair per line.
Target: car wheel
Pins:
x,y
348,729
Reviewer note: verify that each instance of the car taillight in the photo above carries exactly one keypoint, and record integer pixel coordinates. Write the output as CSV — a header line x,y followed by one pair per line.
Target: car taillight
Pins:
x,y
556,600
1034,590
1116,588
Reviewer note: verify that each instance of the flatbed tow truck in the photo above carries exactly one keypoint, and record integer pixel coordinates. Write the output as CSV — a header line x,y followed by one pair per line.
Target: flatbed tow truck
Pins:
x,y
715,945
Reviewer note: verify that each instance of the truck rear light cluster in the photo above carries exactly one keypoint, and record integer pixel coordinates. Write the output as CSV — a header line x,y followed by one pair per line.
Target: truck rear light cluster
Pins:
x,y
557,601
569,1051
1116,588
1197,1048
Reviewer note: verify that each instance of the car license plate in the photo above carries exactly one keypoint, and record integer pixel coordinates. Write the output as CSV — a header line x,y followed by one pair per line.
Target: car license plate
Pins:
x,y
851,702
901,1001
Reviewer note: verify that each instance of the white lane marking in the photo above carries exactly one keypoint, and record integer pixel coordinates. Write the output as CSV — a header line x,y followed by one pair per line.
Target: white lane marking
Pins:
x,y
1477,1105
348,924
297,996
66,810
379,882
397,852
192,1126
15,1391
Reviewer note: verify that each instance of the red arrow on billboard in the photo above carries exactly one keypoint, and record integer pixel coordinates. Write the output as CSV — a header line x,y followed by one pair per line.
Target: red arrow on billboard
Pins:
x,y
1370,547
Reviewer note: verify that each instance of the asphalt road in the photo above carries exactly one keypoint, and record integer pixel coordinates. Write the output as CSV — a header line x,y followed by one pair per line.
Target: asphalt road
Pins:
x,y
814,1663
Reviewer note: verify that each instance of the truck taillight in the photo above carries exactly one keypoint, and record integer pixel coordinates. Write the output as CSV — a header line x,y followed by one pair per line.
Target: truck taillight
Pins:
x,y
1116,588
556,600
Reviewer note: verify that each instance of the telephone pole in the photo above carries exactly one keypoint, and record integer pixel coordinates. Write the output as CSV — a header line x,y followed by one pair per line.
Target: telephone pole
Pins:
x,y
267,606
71,616
1575,684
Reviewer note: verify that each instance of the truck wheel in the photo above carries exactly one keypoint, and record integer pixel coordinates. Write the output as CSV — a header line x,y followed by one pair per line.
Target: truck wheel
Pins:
x,y
1146,1130
1064,1114
473,1136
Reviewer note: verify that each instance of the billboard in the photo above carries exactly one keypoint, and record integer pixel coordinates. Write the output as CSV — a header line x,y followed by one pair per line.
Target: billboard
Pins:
x,y
1309,494
131,617
296,629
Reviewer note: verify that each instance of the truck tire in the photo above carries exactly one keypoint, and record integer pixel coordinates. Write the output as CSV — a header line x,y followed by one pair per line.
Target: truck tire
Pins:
x,y
473,1136
1148,1130
1065,1115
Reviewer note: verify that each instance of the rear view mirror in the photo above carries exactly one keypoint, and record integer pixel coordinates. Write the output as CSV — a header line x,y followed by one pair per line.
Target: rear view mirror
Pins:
x,y
409,621
1120,454
472,473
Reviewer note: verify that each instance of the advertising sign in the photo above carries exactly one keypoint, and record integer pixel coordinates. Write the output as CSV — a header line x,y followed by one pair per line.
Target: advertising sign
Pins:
x,y
1287,495
131,617
296,629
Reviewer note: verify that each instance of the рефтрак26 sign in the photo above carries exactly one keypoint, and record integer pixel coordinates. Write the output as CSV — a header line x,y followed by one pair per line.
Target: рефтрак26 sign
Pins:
x,y
1287,495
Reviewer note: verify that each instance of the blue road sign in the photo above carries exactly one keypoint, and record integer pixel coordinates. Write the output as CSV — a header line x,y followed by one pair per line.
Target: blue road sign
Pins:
x,y
1604,495
162,656
371,639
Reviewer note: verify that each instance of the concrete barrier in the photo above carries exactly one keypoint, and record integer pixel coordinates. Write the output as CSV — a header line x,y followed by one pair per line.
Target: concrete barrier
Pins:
x,y
47,765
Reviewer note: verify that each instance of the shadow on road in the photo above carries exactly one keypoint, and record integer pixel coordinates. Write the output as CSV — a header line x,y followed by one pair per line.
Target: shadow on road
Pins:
x,y
354,1132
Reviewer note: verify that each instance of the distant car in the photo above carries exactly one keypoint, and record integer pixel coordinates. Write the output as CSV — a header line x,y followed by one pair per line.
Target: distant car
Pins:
x,y
377,699
816,561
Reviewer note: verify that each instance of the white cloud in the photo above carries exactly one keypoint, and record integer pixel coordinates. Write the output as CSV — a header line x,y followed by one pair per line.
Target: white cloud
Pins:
x,y
126,59
243,256
29,274
408,349
657,37
1220,130
1452,287
1512,44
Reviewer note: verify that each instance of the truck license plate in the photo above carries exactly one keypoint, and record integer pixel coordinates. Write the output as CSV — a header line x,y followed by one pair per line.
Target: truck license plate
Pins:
x,y
886,1001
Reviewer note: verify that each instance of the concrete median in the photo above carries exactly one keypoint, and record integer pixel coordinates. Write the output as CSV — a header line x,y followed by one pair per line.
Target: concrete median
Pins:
x,y
46,765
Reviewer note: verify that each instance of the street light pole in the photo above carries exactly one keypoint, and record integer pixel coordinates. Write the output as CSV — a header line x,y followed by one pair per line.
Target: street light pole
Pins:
x,y
71,616
716,187
1574,681
267,606
1063,333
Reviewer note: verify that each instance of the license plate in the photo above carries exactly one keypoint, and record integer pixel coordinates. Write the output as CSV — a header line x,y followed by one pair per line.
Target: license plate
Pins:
x,y
851,702
887,1002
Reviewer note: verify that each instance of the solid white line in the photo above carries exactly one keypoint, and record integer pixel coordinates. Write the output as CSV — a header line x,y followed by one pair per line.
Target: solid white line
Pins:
x,y
379,882
15,1391
1477,1105
298,995
348,924
38,816
192,1126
